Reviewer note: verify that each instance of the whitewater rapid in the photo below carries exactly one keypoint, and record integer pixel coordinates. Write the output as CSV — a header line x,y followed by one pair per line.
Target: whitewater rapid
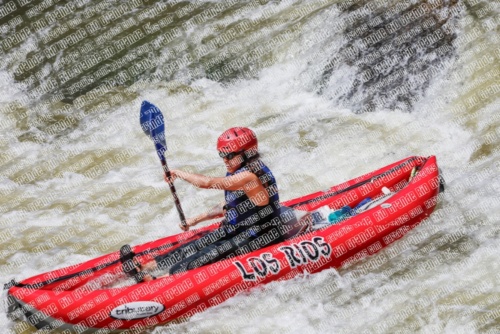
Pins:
x,y
80,179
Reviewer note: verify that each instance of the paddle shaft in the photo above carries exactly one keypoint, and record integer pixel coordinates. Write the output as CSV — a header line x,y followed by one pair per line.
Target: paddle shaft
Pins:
x,y
174,193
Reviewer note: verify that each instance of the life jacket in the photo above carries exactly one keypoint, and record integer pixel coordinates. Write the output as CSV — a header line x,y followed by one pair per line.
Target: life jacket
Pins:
x,y
241,211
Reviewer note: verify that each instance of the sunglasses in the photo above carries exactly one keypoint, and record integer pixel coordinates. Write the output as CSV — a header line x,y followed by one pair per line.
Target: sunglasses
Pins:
x,y
229,156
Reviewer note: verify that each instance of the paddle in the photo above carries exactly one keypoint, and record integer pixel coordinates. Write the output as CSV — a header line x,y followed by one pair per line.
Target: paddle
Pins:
x,y
153,125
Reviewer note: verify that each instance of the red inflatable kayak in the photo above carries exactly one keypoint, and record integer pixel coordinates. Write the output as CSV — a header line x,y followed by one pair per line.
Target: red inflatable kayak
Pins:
x,y
68,297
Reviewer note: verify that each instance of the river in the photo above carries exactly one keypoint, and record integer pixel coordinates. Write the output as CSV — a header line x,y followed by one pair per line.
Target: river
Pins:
x,y
333,89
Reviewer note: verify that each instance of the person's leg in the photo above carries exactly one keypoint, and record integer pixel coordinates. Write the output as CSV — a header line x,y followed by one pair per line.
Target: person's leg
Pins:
x,y
177,255
214,247
240,241
216,251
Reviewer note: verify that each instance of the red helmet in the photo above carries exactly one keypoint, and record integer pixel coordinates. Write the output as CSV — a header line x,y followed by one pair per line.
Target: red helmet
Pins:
x,y
236,140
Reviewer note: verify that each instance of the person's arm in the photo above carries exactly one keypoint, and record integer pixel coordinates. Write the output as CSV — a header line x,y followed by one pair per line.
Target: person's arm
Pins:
x,y
232,183
215,212
246,181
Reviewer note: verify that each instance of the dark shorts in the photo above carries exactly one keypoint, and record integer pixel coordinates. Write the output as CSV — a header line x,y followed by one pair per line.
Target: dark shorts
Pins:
x,y
225,242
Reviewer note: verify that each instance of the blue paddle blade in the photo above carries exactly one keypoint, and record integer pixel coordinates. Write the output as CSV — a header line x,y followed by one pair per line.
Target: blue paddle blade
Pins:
x,y
152,123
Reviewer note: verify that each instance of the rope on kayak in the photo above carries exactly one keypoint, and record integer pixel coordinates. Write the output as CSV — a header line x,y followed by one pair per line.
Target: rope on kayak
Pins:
x,y
373,178
97,268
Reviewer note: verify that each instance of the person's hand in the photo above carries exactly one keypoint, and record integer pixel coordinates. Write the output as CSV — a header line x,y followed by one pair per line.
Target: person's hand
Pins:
x,y
189,222
173,175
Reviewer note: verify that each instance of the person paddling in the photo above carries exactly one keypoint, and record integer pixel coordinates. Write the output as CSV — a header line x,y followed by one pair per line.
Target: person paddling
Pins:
x,y
251,210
